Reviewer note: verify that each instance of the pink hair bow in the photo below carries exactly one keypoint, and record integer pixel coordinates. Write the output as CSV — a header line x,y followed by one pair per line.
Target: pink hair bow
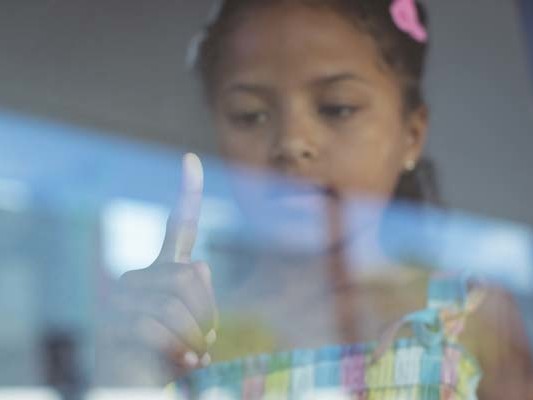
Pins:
x,y
405,17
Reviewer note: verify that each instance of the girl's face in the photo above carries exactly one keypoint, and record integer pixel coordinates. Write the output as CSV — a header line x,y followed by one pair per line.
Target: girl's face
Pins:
x,y
302,92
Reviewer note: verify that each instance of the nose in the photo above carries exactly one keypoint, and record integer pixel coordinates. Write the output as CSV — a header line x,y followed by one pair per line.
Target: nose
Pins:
x,y
294,147
292,150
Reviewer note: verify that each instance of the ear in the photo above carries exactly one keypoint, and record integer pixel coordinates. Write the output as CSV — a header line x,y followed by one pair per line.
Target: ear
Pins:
x,y
416,134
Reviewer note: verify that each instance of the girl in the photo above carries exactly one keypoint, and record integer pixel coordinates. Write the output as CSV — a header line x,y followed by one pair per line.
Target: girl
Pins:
x,y
328,92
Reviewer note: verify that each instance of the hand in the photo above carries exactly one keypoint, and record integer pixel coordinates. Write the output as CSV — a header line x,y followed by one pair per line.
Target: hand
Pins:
x,y
170,306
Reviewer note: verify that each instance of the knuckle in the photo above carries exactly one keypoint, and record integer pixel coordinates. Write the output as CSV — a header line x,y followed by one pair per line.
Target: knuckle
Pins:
x,y
184,275
203,269
175,308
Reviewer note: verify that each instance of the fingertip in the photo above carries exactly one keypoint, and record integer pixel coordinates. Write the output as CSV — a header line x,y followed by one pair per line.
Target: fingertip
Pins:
x,y
206,360
211,338
193,171
191,360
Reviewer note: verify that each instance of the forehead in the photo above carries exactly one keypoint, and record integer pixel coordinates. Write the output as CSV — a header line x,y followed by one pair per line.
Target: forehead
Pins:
x,y
291,42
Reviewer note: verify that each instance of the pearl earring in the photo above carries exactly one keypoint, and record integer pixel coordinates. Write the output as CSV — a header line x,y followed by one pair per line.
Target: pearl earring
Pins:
x,y
410,165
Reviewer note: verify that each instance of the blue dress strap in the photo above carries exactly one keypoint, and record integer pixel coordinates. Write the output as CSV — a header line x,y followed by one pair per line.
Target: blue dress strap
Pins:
x,y
454,296
451,298
447,290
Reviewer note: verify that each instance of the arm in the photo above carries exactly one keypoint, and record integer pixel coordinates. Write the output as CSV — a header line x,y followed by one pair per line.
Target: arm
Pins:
x,y
496,337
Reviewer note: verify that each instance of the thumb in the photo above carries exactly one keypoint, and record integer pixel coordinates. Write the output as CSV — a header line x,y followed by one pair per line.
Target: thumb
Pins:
x,y
182,224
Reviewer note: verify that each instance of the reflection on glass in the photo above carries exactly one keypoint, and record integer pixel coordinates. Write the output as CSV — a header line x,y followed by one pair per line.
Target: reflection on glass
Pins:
x,y
133,233
312,258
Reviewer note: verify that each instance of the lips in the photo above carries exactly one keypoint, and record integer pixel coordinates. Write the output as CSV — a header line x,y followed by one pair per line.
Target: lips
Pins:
x,y
329,191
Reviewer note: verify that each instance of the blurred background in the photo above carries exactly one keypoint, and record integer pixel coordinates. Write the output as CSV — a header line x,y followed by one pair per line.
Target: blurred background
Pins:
x,y
118,68
96,104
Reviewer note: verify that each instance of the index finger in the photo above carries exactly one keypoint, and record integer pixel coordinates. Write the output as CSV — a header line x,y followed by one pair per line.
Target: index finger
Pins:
x,y
182,224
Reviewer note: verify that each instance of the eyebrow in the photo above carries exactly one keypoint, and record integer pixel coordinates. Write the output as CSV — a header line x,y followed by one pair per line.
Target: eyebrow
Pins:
x,y
332,79
327,80
251,88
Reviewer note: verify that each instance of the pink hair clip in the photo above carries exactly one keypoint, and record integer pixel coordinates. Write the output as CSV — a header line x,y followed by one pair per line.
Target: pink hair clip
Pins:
x,y
405,17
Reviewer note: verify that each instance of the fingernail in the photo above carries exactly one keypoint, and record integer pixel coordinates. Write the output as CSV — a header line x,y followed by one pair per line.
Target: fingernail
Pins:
x,y
211,337
206,360
193,166
191,359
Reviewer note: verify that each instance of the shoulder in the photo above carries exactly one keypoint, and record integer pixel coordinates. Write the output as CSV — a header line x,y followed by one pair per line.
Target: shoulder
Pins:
x,y
495,334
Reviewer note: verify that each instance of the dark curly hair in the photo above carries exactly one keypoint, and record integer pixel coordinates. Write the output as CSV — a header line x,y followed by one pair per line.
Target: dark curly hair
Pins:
x,y
400,52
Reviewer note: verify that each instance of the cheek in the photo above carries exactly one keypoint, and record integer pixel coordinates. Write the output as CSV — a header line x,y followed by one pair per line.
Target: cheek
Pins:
x,y
247,149
368,162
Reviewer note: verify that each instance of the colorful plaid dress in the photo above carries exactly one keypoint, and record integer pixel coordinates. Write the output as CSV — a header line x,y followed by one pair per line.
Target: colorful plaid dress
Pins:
x,y
429,365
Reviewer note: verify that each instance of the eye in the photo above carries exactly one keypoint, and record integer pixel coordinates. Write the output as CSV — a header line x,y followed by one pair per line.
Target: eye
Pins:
x,y
249,119
337,111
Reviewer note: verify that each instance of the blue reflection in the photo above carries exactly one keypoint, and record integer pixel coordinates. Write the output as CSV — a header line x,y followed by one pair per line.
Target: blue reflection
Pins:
x,y
78,209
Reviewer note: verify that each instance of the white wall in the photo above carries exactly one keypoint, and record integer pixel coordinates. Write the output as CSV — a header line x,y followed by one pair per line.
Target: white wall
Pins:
x,y
480,94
